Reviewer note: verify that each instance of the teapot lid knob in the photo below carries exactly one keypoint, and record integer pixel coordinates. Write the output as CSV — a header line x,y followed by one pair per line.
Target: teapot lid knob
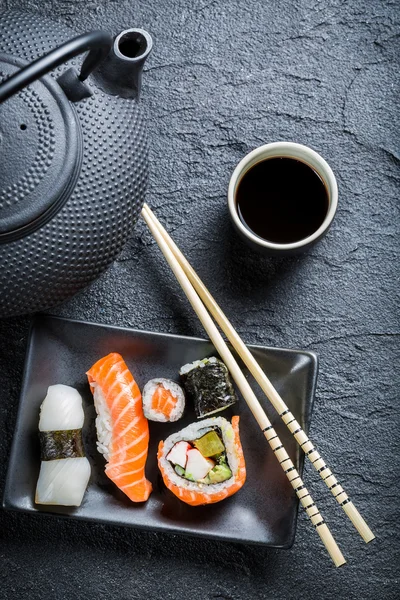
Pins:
x,y
40,154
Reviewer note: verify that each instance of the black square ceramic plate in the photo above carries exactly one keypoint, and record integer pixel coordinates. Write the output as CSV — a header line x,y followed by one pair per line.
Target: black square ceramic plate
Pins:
x,y
263,511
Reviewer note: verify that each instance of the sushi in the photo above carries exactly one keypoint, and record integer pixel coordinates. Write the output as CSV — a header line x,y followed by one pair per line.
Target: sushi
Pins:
x,y
64,470
163,400
209,385
204,462
122,429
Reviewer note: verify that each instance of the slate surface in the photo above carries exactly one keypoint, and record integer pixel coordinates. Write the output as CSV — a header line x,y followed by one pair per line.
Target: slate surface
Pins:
x,y
225,77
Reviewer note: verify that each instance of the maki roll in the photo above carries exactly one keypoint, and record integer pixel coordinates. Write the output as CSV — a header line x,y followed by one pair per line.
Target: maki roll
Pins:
x,y
203,463
163,400
209,385
122,429
64,470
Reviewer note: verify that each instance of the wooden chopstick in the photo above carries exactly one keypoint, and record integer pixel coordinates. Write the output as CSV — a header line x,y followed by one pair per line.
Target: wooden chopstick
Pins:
x,y
248,394
292,424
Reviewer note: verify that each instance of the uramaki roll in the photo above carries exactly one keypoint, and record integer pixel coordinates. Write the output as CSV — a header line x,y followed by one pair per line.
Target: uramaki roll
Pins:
x,y
203,463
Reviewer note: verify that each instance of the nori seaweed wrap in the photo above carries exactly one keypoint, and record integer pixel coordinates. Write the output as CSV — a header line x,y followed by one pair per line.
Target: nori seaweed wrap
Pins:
x,y
55,445
209,385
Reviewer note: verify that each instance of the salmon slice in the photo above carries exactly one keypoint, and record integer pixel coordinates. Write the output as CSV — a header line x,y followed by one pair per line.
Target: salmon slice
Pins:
x,y
163,401
118,403
196,498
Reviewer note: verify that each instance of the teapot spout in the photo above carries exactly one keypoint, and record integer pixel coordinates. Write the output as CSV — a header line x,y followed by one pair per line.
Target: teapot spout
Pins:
x,y
121,72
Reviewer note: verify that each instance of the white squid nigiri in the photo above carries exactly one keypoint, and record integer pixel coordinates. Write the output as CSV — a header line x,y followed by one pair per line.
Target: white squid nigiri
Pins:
x,y
64,471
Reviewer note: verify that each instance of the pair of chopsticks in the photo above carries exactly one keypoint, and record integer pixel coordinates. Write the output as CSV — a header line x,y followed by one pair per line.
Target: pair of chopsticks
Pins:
x,y
200,298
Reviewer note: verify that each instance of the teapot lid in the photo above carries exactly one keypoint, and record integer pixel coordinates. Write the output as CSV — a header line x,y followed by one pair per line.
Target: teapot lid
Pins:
x,y
40,153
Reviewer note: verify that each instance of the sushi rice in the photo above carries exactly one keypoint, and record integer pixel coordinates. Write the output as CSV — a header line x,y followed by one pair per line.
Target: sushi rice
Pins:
x,y
197,363
103,422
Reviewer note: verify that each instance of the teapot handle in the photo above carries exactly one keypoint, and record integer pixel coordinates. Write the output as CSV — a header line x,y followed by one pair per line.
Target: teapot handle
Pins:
x,y
98,43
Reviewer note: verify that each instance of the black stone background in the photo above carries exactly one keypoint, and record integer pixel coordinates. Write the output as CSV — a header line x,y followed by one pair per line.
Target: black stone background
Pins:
x,y
225,77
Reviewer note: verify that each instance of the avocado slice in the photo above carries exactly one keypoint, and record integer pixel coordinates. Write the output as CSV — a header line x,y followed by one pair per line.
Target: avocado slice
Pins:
x,y
218,474
209,444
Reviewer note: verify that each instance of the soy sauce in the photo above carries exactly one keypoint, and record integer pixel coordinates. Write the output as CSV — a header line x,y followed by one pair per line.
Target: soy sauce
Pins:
x,y
282,200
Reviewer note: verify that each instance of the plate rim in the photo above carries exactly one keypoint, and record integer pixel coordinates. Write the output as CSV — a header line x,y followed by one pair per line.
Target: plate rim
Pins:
x,y
178,336
40,318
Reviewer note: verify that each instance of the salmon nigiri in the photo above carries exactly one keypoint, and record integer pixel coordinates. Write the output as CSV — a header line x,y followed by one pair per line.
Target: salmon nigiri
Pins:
x,y
122,429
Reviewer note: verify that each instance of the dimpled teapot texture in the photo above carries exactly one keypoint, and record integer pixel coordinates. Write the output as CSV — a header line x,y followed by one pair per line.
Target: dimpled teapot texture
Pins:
x,y
53,262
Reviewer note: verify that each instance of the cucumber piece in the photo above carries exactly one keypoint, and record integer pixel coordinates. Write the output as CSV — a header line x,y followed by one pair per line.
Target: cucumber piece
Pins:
x,y
221,459
179,470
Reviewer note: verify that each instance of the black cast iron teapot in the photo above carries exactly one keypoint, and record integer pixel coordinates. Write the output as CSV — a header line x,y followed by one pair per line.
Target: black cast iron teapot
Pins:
x,y
73,156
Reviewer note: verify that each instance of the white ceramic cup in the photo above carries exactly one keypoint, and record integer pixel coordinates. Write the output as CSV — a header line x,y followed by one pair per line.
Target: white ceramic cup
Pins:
x,y
288,150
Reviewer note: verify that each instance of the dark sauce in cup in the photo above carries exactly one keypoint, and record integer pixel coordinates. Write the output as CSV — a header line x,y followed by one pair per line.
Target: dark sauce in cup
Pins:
x,y
282,200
